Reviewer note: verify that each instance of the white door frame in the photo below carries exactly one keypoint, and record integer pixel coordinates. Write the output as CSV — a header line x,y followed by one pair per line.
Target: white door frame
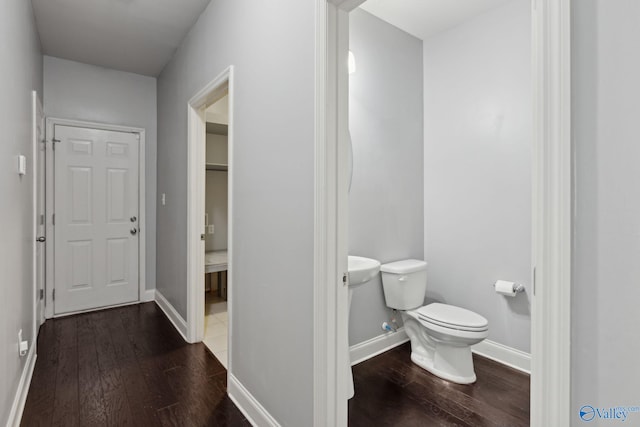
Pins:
x,y
49,203
38,191
196,160
552,169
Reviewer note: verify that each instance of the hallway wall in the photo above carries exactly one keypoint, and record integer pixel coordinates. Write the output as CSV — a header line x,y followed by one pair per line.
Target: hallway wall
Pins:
x,y
272,48
20,73
73,90
605,348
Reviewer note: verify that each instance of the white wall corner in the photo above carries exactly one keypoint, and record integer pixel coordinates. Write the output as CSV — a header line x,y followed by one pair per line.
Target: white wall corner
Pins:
x,y
504,355
377,345
15,416
148,295
178,322
248,405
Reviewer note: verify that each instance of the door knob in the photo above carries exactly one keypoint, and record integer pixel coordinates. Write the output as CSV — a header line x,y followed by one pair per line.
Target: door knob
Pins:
x,y
41,239
133,219
134,231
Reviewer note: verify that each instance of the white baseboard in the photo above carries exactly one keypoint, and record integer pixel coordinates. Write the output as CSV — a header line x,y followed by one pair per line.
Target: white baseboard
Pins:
x,y
248,405
377,345
148,295
500,353
15,416
178,322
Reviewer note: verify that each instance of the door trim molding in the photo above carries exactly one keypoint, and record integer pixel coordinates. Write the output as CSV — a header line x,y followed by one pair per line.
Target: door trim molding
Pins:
x,y
196,136
330,295
552,222
51,122
552,214
38,153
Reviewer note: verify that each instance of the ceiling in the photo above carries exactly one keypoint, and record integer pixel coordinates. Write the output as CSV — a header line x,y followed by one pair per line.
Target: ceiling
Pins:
x,y
139,36
218,112
424,18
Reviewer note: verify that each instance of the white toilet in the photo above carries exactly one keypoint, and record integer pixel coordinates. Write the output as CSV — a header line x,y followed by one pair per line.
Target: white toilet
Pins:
x,y
441,335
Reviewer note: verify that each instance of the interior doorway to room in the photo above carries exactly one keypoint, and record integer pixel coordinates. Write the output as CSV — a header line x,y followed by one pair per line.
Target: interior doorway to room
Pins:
x,y
552,172
209,227
95,194
216,228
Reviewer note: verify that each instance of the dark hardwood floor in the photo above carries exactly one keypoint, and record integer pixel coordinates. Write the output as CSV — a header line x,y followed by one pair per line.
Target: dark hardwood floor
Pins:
x,y
393,391
129,367
125,367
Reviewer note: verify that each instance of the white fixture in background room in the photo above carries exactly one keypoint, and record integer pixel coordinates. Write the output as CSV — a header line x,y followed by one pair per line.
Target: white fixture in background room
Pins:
x,y
441,335
351,61
361,270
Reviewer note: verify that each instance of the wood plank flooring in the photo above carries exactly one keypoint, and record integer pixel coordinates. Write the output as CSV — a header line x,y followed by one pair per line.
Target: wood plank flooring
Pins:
x,y
125,367
390,390
129,367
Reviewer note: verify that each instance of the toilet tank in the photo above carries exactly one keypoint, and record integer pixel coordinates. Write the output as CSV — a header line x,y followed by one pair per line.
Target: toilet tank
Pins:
x,y
404,283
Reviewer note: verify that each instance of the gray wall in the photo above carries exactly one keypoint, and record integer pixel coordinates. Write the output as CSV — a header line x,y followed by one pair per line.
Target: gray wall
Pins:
x,y
271,45
385,121
217,194
20,73
217,184
73,90
606,247
477,167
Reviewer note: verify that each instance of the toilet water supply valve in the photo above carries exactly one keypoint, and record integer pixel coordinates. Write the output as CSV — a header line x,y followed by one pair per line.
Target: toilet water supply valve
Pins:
x,y
389,328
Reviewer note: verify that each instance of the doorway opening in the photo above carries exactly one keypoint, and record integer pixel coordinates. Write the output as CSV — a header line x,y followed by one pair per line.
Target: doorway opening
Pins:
x,y
216,229
209,248
551,303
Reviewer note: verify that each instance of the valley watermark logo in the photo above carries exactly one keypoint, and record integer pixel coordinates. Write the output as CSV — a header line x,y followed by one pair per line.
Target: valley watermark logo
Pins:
x,y
613,413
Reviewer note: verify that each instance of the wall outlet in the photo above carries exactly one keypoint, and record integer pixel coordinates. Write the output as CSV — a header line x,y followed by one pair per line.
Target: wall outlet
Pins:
x,y
211,229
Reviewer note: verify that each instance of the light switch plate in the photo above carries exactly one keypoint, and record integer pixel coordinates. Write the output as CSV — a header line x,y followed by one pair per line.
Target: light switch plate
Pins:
x,y
211,229
22,165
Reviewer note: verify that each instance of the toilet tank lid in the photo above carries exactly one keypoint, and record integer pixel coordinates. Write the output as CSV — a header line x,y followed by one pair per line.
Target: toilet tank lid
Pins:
x,y
404,267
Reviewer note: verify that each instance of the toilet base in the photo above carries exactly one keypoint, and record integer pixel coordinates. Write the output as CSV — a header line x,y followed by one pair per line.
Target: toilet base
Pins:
x,y
448,359
451,373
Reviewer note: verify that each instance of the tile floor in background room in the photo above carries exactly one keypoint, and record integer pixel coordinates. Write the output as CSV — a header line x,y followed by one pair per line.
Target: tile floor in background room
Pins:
x,y
215,326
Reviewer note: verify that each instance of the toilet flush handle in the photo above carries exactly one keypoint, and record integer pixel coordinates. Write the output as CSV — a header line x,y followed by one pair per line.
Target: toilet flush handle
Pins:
x,y
402,279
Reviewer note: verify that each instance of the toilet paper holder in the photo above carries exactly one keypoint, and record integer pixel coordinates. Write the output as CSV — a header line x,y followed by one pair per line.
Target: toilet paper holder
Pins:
x,y
515,288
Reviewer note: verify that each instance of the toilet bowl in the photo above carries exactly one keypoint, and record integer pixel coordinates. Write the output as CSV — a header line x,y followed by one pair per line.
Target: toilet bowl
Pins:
x,y
441,335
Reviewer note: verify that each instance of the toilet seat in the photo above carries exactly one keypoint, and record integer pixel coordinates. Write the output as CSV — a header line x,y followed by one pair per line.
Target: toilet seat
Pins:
x,y
452,317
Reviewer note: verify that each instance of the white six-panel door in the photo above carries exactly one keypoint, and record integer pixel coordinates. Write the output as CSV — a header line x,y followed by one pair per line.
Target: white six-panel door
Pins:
x,y
96,218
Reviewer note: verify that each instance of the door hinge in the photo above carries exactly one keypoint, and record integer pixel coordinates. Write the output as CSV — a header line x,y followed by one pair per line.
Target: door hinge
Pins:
x,y
53,295
41,219
53,219
534,281
344,279
41,293
53,143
